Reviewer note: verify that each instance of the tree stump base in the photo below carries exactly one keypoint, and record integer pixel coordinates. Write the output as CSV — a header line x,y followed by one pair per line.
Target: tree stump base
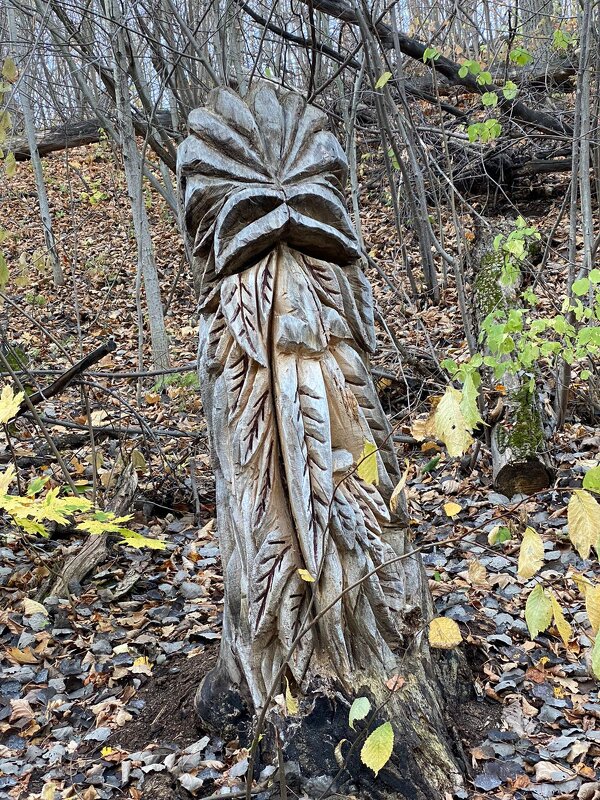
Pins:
x,y
320,750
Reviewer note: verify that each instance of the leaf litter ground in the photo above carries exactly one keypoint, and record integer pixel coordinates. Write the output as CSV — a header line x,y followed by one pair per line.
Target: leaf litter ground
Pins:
x,y
95,696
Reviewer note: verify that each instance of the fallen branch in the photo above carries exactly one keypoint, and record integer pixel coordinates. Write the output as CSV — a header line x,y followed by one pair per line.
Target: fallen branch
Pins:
x,y
72,134
114,432
61,383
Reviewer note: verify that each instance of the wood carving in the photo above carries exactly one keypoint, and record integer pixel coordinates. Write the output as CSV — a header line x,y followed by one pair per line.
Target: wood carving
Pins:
x,y
287,327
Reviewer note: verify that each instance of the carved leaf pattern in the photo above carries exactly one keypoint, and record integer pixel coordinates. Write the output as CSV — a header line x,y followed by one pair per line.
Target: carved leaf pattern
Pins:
x,y
246,300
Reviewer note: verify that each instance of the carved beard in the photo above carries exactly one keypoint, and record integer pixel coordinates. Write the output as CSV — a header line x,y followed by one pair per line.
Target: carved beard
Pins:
x,y
289,399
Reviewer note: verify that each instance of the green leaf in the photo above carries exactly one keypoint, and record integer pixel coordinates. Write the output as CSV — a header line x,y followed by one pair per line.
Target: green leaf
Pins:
x,y
594,276
10,165
581,286
561,40
382,80
510,90
431,53
468,404
520,56
138,541
583,514
463,71
531,554
484,78
4,274
377,749
489,99
358,710
36,486
591,480
499,534
538,611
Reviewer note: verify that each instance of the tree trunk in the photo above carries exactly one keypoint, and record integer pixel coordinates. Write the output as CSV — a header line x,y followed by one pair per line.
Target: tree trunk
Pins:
x,y
325,599
132,163
520,461
38,171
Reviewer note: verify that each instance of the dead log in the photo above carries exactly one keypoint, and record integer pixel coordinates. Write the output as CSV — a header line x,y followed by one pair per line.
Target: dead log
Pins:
x,y
94,550
72,134
520,460
64,380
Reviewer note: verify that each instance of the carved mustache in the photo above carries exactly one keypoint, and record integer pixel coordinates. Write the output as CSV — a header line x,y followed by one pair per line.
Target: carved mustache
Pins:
x,y
309,217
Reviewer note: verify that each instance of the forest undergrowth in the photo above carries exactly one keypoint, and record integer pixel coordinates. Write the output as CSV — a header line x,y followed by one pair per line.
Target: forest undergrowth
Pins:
x,y
95,697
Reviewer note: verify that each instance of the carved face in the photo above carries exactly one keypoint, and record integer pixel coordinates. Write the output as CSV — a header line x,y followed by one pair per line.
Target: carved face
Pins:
x,y
258,172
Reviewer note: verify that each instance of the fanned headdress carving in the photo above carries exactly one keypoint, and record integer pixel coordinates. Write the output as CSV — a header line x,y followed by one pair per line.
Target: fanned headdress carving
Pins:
x,y
258,174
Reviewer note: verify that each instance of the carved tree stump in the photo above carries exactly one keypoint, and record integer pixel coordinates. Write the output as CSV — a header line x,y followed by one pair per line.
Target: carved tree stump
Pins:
x,y
287,327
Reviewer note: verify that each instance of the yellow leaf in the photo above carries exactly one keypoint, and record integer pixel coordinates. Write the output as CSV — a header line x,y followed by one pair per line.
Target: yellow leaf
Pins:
x,y
447,423
531,554
562,626
395,499
444,633
9,70
106,751
378,747
141,666
10,165
138,461
306,576
291,702
9,403
367,463
6,478
452,509
33,607
583,514
582,583
339,757
592,606
477,573
596,657
48,791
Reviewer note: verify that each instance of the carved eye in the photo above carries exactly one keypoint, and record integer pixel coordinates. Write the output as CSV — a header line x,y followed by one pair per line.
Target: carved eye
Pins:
x,y
250,223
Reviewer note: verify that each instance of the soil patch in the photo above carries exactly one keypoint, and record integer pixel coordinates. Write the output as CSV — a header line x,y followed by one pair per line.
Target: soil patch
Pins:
x,y
168,713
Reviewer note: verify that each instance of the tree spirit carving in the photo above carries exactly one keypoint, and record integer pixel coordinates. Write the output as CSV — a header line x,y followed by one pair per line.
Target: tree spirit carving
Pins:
x,y
286,331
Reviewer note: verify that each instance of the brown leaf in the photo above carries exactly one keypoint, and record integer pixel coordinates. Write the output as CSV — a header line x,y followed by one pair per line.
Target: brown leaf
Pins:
x,y
25,656
21,710
395,683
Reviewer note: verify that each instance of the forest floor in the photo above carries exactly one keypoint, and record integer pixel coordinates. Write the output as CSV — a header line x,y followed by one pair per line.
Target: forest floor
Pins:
x,y
96,690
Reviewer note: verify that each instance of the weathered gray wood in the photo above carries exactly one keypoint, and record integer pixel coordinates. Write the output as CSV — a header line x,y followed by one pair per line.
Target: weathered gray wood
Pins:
x,y
287,326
